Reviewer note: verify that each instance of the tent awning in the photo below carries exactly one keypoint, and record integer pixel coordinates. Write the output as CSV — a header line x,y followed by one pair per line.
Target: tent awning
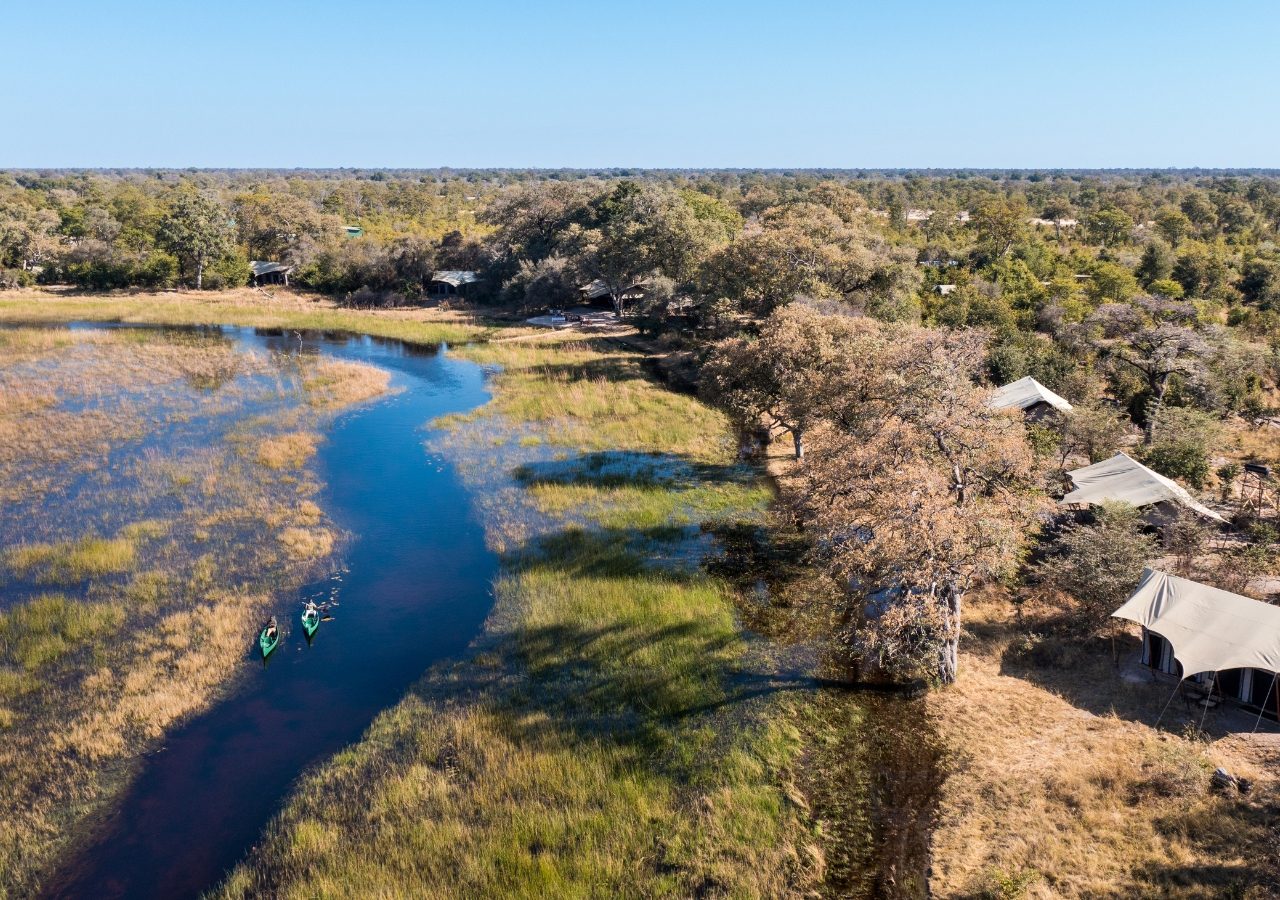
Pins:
x,y
1210,629
1123,479
1024,394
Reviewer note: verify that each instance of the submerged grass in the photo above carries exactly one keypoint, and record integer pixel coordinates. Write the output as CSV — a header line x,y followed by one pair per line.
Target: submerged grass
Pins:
x,y
72,561
41,630
599,740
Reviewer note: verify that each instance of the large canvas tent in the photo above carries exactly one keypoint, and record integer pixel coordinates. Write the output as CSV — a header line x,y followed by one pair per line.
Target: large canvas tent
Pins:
x,y
1122,479
1028,395
1209,629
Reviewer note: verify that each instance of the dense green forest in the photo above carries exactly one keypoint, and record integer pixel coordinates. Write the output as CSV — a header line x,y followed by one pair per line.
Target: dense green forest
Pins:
x,y
1031,251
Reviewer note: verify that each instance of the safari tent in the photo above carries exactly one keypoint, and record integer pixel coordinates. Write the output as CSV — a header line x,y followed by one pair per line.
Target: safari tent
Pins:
x,y
264,272
1191,629
1122,479
452,282
1030,396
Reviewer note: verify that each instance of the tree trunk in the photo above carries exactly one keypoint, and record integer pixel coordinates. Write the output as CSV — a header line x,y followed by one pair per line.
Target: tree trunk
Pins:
x,y
200,272
617,304
949,652
1158,390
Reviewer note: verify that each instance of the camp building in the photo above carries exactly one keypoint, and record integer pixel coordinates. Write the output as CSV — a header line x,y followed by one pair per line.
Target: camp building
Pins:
x,y
1228,642
1122,479
1030,396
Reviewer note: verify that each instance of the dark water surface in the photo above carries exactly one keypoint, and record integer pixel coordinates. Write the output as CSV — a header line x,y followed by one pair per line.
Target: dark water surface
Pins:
x,y
416,590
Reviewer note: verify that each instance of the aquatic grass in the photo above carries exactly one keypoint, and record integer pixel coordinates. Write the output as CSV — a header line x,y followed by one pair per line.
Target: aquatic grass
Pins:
x,y
330,383
72,561
287,451
38,632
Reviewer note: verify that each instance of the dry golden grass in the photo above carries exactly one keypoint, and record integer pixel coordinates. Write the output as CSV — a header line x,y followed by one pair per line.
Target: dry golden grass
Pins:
x,y
287,451
307,543
1061,789
243,306
331,383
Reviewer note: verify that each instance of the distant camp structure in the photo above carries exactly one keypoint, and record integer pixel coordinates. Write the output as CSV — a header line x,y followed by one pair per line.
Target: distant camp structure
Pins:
x,y
1122,479
270,272
452,283
1228,643
353,231
1030,396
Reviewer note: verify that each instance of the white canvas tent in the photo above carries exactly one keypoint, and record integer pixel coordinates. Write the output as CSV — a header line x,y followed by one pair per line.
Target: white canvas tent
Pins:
x,y
1210,630
1026,393
1125,480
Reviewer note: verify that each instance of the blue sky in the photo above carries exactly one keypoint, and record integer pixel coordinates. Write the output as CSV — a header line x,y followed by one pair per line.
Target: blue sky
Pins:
x,y
662,84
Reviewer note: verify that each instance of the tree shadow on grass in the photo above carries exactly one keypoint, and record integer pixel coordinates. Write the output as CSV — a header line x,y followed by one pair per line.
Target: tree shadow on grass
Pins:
x,y
615,469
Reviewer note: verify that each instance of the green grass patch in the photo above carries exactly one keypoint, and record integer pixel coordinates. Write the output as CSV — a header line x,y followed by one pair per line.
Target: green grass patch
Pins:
x,y
594,396
72,561
48,627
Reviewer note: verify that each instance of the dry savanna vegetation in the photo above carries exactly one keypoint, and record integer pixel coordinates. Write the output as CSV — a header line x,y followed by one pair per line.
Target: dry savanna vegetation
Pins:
x,y
156,496
1062,787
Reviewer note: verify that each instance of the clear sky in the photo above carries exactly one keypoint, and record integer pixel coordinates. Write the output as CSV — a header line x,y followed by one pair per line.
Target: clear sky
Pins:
x,y
789,83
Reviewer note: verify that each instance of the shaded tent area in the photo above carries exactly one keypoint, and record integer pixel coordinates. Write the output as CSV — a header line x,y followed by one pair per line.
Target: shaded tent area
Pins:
x,y
1228,643
1030,396
599,292
1122,479
264,272
452,282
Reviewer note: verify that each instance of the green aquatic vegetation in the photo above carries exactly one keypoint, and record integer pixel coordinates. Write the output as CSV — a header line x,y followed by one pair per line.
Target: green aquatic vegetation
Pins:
x,y
48,627
68,562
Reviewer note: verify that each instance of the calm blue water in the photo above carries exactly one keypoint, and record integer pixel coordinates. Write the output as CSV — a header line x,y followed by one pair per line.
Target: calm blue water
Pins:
x,y
416,590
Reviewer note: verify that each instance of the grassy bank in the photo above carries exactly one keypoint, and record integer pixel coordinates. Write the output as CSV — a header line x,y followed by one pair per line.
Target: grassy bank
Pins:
x,y
601,740
247,307
156,495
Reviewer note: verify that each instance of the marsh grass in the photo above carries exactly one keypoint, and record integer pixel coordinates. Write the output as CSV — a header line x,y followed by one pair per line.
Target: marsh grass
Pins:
x,y
40,631
287,451
242,307
70,562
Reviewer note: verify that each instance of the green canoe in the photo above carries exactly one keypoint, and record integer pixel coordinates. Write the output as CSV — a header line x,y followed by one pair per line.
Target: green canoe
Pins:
x,y
310,620
269,637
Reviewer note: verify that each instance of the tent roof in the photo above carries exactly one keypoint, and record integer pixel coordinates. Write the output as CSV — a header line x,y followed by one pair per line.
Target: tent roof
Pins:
x,y
1024,394
456,277
1126,480
262,267
1210,629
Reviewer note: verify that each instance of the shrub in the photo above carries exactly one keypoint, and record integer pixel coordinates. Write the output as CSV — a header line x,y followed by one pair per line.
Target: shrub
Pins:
x,y
1098,564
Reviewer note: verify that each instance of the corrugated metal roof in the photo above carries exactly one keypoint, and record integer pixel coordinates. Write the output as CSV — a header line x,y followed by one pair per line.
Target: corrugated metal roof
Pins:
x,y
266,268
